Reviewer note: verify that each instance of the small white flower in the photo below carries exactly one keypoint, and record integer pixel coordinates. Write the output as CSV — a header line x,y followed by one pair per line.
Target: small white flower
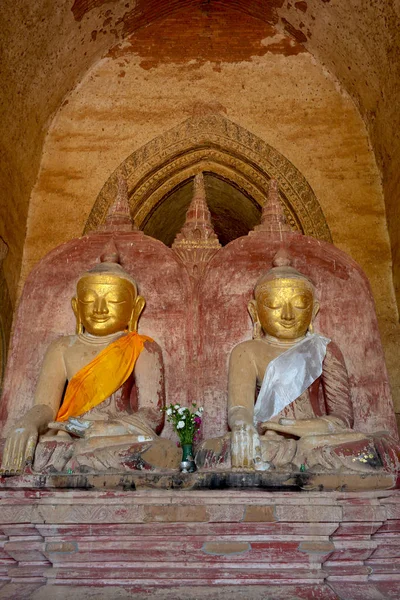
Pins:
x,y
180,425
201,409
177,406
181,410
169,411
198,413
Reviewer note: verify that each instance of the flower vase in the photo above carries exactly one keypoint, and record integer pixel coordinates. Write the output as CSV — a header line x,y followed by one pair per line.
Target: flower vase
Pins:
x,y
187,465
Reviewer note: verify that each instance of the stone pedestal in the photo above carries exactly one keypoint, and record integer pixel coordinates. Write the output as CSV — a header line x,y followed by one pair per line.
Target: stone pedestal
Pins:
x,y
142,539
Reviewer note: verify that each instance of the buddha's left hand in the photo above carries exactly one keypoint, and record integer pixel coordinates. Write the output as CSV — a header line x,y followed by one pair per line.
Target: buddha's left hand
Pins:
x,y
89,429
297,427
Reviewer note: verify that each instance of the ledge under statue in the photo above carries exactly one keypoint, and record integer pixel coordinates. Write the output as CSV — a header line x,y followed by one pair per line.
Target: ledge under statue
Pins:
x,y
286,407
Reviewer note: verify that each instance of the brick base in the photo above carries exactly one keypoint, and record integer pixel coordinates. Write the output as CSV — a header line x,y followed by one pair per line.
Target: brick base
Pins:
x,y
194,538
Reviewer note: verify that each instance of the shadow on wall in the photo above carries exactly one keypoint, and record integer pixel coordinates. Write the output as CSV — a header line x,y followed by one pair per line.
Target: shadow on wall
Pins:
x,y
6,313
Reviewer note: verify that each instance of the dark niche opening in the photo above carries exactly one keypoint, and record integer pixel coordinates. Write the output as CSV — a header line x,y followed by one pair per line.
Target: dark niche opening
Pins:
x,y
233,212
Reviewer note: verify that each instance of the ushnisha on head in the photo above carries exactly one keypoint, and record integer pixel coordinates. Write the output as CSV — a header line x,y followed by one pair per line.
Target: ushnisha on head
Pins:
x,y
285,304
107,299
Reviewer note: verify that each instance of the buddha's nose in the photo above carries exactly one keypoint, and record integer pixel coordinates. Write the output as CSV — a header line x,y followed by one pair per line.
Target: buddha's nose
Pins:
x,y
100,306
287,312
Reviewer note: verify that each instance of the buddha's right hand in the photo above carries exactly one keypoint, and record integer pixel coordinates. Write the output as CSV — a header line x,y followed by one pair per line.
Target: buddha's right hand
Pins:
x,y
245,442
242,446
20,445
19,448
245,446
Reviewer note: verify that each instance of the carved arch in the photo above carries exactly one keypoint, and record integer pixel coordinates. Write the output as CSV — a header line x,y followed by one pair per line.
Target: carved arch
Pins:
x,y
214,144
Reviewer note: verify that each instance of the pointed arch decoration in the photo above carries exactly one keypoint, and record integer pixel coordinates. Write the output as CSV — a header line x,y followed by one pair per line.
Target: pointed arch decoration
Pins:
x,y
216,145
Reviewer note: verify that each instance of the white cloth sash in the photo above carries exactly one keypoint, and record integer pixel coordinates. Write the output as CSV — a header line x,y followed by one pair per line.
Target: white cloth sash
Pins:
x,y
289,375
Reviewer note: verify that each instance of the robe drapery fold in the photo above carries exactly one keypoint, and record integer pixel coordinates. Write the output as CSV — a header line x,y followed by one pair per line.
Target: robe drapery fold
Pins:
x,y
289,375
103,376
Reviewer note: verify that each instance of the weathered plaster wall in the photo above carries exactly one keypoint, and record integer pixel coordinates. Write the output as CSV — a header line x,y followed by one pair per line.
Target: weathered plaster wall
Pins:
x,y
359,41
48,46
266,83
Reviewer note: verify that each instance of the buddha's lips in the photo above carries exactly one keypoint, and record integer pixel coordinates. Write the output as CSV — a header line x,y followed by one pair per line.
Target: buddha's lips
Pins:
x,y
287,325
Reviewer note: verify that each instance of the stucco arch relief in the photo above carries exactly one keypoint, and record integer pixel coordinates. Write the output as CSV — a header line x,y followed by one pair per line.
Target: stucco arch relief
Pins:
x,y
215,144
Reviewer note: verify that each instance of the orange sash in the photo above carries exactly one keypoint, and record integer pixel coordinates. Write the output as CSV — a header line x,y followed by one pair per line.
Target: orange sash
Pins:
x,y
103,376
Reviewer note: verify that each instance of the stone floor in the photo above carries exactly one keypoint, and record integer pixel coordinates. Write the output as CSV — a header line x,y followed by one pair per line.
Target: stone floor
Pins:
x,y
336,591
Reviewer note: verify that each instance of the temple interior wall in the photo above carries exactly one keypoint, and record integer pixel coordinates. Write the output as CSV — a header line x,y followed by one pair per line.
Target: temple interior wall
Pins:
x,y
166,72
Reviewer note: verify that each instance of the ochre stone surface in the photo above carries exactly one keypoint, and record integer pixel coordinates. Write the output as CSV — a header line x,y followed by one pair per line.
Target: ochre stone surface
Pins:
x,y
175,514
225,548
259,513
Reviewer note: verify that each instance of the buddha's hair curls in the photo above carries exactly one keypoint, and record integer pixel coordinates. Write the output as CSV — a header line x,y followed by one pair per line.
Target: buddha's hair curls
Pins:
x,y
110,264
281,269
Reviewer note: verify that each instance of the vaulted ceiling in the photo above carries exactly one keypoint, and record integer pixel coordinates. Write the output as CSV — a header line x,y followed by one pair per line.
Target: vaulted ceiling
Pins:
x,y
48,46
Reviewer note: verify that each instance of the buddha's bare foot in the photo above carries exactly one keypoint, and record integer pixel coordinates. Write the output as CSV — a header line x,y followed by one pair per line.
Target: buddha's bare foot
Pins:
x,y
78,427
90,444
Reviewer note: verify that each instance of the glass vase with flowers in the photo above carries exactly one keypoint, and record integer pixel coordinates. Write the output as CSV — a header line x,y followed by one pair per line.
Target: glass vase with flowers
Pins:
x,y
186,422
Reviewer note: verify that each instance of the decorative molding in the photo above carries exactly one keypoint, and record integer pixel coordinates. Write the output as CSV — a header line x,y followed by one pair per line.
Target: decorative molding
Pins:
x,y
118,216
211,144
273,218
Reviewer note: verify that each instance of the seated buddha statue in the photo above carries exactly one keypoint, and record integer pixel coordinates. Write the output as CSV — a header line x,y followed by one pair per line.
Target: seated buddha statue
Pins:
x,y
289,399
100,392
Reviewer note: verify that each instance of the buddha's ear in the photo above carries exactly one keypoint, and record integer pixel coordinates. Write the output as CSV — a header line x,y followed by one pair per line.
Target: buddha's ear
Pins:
x,y
75,308
314,314
315,309
257,330
137,311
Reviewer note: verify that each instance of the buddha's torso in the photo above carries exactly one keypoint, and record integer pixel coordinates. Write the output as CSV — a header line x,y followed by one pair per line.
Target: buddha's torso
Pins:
x,y
262,352
78,352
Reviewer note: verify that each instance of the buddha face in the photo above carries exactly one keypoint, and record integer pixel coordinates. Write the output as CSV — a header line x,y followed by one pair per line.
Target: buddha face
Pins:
x,y
105,303
285,307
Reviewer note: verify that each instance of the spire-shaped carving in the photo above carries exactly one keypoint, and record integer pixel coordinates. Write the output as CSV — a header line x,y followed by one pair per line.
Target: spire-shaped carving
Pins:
x,y
110,253
197,242
273,217
119,217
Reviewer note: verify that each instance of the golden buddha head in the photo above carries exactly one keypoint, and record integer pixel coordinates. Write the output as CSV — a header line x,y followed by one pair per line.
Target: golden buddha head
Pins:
x,y
106,299
284,306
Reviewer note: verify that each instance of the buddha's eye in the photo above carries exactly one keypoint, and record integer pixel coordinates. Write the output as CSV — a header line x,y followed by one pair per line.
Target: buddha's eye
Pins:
x,y
301,302
87,299
270,302
113,301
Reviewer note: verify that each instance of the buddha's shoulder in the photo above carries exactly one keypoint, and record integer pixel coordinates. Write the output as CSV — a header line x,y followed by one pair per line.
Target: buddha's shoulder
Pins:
x,y
151,347
247,347
62,343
